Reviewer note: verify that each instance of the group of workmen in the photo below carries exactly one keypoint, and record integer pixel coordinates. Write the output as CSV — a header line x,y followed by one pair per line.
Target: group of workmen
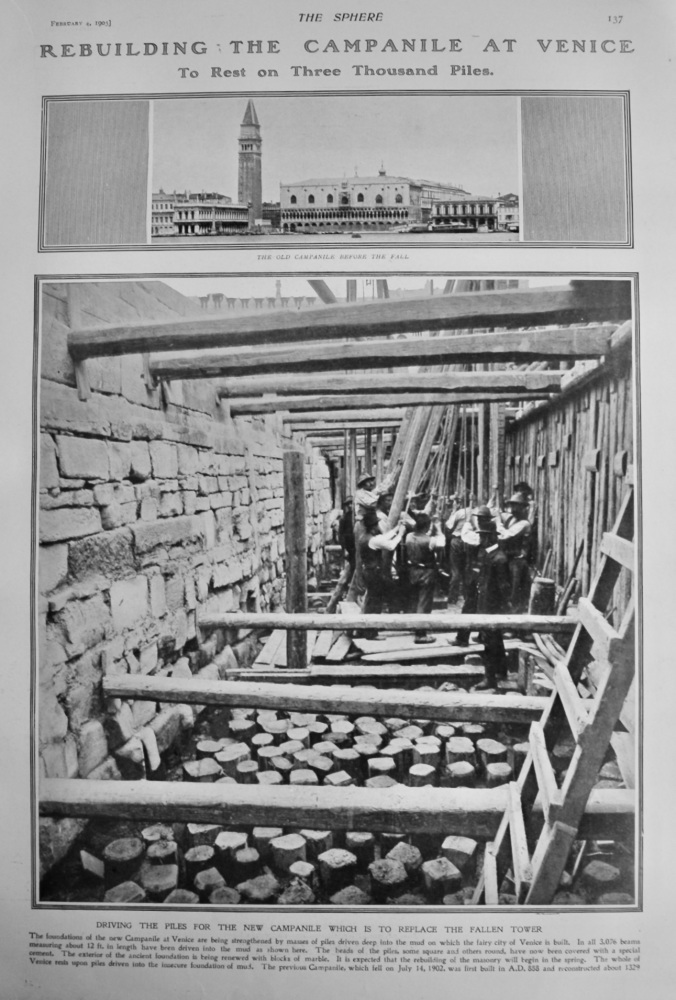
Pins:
x,y
481,554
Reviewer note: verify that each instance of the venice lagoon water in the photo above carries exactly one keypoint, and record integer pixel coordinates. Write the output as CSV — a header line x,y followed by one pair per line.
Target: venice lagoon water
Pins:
x,y
297,240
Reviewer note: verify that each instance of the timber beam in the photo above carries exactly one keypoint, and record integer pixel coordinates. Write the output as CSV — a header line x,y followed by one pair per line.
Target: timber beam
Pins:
x,y
469,812
325,427
299,404
494,348
382,418
433,705
390,623
586,301
461,383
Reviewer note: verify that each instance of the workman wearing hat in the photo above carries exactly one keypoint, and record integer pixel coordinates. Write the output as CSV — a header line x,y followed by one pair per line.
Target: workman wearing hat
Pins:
x,y
422,568
487,593
458,518
514,531
365,498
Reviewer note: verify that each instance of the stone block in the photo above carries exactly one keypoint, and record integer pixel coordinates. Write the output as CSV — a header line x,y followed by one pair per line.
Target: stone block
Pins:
x,y
129,602
82,458
188,460
158,600
164,460
140,461
65,523
84,624
119,459
92,747
110,554
171,505
49,471
52,566
150,509
167,727
172,531
118,514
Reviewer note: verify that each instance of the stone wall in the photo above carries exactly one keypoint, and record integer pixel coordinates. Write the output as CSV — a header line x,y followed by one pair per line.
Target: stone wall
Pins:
x,y
150,508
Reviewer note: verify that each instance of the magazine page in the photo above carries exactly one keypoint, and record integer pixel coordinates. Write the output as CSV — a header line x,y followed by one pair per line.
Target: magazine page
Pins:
x,y
337,387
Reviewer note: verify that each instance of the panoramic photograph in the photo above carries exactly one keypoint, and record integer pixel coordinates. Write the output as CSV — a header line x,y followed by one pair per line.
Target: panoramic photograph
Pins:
x,y
314,166
335,592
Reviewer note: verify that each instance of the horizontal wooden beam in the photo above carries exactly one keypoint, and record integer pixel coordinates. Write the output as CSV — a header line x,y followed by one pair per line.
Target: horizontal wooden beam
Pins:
x,y
298,404
464,811
494,348
320,426
438,706
581,302
462,383
387,623
381,417
467,812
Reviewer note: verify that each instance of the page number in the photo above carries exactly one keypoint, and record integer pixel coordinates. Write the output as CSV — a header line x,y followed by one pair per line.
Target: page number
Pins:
x,y
615,18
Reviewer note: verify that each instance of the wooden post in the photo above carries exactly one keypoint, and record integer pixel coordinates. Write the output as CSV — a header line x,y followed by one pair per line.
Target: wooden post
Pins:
x,y
380,463
352,480
296,558
368,451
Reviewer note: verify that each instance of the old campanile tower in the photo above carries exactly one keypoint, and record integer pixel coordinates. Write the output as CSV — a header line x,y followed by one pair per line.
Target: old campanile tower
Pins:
x,y
250,185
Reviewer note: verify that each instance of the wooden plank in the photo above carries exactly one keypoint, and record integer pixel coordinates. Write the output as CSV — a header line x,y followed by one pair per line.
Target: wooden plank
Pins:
x,y
470,812
269,650
415,654
377,382
295,557
319,286
322,645
625,753
491,895
517,834
544,771
606,642
311,640
358,672
331,427
297,404
619,549
549,862
339,649
573,706
526,345
436,705
393,623
585,302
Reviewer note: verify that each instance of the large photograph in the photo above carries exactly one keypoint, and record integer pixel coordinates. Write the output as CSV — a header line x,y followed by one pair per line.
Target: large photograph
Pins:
x,y
336,591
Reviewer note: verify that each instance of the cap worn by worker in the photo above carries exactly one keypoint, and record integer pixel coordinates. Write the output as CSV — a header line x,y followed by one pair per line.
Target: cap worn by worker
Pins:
x,y
363,480
483,513
518,498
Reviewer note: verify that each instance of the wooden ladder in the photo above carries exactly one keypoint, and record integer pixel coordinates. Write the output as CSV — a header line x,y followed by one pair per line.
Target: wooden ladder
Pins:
x,y
591,722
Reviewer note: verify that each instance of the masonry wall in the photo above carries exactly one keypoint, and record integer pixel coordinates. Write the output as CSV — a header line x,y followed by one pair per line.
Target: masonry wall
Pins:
x,y
150,508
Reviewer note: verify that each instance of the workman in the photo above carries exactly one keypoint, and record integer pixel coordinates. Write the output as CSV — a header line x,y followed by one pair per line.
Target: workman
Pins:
x,y
372,546
365,498
422,568
487,593
457,554
514,530
346,533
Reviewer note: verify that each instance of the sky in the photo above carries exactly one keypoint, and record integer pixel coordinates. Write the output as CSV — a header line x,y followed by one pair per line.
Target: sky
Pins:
x,y
470,141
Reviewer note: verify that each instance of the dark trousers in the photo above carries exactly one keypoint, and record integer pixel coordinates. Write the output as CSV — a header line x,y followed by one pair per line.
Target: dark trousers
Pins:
x,y
495,657
380,591
520,589
457,568
421,593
